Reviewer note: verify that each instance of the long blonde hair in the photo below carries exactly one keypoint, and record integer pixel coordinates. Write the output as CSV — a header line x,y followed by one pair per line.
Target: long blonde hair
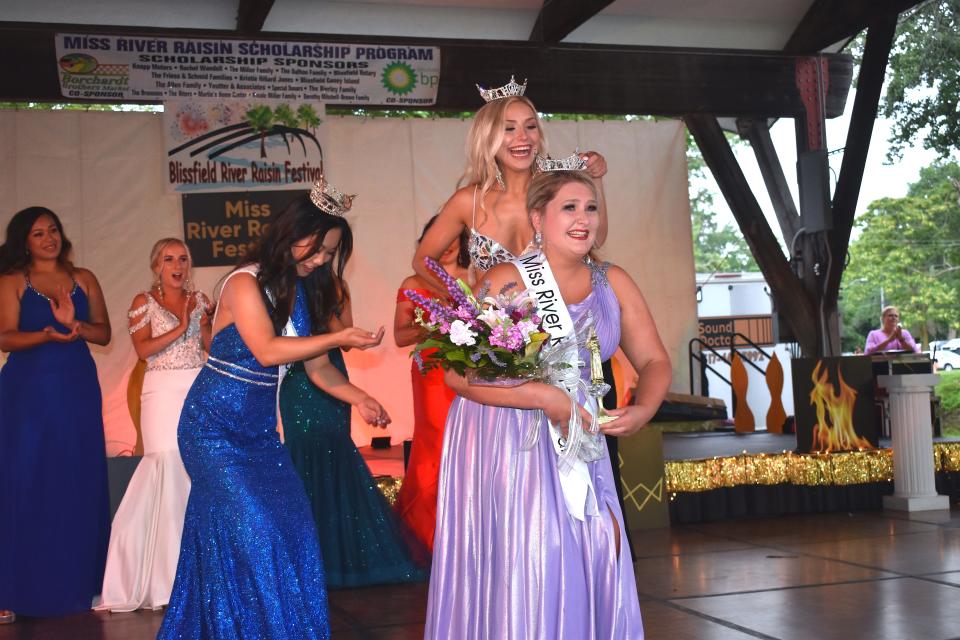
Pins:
x,y
484,140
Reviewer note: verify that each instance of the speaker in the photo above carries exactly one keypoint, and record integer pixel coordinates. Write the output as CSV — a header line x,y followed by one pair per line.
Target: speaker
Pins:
x,y
813,176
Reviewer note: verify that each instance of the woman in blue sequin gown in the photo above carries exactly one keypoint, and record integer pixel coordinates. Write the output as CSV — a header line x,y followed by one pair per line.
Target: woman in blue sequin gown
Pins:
x,y
250,564
360,535
55,519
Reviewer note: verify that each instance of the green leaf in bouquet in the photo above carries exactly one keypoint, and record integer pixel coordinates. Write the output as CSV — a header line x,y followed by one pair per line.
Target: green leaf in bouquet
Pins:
x,y
457,355
431,343
536,343
467,291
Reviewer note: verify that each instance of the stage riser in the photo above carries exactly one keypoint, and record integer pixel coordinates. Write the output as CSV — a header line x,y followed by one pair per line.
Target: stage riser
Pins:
x,y
785,499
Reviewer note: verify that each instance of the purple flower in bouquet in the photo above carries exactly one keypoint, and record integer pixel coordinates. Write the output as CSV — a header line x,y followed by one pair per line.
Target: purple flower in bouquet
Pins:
x,y
438,312
459,298
490,353
467,314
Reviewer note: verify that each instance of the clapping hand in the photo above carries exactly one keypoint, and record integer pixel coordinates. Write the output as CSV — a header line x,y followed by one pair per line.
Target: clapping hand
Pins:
x,y
373,412
62,307
185,313
596,164
55,336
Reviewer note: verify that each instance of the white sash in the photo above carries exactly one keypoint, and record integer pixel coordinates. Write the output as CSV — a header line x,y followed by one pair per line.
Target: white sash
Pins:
x,y
575,482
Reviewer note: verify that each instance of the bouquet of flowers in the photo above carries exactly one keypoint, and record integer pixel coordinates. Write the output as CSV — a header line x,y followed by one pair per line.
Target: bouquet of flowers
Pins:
x,y
492,339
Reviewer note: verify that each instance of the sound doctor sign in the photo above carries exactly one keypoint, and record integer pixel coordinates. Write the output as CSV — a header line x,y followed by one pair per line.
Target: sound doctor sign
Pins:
x,y
120,67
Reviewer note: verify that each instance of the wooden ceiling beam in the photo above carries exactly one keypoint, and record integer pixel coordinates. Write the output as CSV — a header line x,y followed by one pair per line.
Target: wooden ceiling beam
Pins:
x,y
758,134
251,14
560,18
869,88
793,301
829,21
564,78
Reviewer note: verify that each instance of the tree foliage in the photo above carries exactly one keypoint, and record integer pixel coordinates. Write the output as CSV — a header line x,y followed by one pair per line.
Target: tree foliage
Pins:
x,y
923,80
715,248
908,249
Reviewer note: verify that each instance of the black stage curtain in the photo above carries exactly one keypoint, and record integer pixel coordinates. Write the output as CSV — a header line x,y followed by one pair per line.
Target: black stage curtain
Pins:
x,y
781,499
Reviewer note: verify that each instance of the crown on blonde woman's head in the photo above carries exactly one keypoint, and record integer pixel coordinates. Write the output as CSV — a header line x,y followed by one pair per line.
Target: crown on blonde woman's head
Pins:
x,y
508,90
570,163
329,199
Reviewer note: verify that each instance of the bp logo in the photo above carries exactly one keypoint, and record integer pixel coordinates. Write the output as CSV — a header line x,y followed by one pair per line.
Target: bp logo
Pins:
x,y
399,78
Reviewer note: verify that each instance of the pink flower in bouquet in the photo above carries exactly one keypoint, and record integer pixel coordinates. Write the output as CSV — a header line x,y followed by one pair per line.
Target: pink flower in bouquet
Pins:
x,y
508,338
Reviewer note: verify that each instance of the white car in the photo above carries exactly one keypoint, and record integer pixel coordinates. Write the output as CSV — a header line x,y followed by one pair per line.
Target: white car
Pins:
x,y
946,359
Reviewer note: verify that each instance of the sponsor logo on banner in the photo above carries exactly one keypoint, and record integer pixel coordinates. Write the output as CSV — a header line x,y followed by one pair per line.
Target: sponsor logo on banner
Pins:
x,y
220,227
242,144
149,68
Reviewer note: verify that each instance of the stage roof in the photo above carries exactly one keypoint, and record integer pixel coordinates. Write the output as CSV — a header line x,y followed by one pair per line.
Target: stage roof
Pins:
x,y
731,59
731,24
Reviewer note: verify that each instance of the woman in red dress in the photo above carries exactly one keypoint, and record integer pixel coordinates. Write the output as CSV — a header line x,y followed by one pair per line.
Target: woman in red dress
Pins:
x,y
417,500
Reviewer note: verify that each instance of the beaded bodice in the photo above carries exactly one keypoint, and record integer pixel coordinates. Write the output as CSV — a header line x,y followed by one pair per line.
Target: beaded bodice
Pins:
x,y
485,252
186,352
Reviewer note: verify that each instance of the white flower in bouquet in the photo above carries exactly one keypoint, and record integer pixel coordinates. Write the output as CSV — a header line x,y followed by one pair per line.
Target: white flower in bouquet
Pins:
x,y
460,334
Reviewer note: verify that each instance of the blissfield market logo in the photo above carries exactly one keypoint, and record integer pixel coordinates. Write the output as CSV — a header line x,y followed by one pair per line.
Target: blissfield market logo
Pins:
x,y
82,76
399,78
78,63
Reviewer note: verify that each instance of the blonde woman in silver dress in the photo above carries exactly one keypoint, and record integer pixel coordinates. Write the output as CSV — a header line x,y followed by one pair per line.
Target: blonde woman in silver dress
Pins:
x,y
170,329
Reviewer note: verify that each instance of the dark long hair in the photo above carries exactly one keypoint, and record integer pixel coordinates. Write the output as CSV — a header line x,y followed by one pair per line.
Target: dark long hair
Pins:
x,y
463,257
278,269
13,253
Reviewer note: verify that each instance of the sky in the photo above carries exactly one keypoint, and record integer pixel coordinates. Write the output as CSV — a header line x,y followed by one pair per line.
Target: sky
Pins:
x,y
879,179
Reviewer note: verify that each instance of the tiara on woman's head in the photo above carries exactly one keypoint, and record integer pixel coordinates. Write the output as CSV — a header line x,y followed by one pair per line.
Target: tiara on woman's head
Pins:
x,y
329,199
570,163
506,91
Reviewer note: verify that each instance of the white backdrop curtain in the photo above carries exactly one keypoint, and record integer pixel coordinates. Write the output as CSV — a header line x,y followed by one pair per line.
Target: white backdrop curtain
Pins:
x,y
102,172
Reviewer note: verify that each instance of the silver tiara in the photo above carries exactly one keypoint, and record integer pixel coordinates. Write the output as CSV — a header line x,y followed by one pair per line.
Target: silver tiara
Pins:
x,y
329,199
506,91
570,163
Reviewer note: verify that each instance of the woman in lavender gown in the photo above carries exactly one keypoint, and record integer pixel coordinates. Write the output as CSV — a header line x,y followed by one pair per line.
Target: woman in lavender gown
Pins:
x,y
511,558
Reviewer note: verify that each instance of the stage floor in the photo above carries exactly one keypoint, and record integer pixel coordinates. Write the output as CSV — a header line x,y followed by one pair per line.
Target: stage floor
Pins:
x,y
826,576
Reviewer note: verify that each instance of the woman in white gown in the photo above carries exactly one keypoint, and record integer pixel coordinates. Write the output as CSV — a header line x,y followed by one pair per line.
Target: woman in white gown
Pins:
x,y
170,329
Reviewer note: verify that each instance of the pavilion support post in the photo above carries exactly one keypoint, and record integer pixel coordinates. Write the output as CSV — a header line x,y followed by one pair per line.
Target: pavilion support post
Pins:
x,y
811,248
876,53
793,300
757,133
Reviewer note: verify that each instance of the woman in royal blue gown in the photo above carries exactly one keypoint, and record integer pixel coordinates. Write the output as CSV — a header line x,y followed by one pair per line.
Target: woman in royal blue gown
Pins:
x,y
53,469
250,564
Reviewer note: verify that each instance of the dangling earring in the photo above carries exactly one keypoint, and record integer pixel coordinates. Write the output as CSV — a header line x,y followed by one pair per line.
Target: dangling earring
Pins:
x,y
503,185
538,239
157,285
